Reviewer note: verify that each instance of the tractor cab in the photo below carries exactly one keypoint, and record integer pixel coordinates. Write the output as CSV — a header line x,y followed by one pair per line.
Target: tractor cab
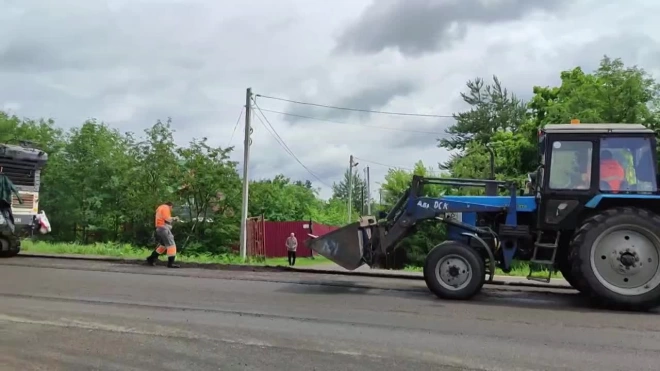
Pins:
x,y
583,164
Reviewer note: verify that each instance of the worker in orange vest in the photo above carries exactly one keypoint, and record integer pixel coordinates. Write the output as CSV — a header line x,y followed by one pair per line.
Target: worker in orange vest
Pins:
x,y
611,172
164,236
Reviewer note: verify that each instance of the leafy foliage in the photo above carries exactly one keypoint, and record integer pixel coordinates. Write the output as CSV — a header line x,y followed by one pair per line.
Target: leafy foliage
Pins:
x,y
101,185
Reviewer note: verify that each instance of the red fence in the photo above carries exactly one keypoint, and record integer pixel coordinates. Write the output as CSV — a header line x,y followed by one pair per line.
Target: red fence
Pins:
x,y
256,235
276,233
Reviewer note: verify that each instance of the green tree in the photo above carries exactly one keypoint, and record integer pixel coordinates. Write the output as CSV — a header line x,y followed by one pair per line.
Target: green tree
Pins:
x,y
359,186
210,195
83,182
333,212
613,93
495,118
492,108
281,199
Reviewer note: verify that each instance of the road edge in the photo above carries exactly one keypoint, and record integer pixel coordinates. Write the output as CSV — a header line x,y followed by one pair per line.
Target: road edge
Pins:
x,y
498,280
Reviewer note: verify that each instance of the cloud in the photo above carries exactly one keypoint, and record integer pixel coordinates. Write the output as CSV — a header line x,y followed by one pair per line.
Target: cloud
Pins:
x,y
130,63
425,26
366,98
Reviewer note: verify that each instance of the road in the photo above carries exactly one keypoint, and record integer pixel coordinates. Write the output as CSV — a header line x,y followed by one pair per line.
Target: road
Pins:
x,y
76,315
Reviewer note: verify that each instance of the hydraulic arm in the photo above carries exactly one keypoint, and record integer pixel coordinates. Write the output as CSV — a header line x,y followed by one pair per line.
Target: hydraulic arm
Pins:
x,y
369,241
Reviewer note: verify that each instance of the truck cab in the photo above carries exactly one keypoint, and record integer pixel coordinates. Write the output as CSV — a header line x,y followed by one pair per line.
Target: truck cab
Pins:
x,y
584,165
22,164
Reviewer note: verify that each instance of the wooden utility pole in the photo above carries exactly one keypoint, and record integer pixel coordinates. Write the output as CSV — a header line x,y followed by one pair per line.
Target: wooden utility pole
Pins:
x,y
368,193
351,165
350,187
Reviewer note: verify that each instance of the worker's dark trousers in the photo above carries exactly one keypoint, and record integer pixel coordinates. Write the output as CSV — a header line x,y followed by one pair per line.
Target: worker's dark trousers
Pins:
x,y
292,257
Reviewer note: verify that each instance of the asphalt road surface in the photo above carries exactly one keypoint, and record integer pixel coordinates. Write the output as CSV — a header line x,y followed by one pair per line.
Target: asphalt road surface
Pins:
x,y
75,315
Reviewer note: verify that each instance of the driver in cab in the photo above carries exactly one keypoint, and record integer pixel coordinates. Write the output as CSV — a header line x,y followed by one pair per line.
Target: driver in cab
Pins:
x,y
612,174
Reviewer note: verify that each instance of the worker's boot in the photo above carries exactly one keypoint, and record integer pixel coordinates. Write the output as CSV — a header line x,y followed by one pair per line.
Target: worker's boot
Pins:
x,y
170,262
151,260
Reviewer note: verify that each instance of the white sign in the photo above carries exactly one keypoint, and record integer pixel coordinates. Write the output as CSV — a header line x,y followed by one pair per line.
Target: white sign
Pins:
x,y
438,205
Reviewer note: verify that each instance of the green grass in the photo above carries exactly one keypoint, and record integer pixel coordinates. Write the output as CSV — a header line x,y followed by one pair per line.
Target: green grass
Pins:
x,y
127,251
518,269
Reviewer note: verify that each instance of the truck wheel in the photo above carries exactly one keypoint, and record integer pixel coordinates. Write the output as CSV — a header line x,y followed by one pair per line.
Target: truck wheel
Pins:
x,y
454,270
7,251
616,257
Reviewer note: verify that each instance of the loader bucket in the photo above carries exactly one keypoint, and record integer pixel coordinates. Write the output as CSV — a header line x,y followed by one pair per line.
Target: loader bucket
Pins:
x,y
342,246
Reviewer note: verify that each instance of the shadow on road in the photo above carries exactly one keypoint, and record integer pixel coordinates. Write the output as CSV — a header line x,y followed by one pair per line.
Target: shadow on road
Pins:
x,y
559,300
330,287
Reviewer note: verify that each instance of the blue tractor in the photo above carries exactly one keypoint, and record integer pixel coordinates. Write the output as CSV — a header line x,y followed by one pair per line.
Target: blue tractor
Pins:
x,y
591,210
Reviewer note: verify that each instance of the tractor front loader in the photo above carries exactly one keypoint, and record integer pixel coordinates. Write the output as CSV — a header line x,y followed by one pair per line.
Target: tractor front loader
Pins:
x,y
592,212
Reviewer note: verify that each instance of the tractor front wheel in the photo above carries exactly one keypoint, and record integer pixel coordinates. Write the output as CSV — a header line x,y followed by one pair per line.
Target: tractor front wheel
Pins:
x,y
454,270
615,257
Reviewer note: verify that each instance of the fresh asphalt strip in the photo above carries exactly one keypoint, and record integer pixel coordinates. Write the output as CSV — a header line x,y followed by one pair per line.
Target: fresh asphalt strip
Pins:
x,y
498,280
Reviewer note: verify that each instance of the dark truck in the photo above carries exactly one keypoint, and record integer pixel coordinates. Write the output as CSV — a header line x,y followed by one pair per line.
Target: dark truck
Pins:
x,y
22,164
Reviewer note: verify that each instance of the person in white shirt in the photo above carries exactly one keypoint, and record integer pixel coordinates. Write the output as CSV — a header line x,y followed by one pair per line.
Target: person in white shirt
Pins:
x,y
291,246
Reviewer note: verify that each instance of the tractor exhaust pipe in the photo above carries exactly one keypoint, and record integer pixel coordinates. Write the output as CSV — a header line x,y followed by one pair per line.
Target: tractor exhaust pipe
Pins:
x,y
492,161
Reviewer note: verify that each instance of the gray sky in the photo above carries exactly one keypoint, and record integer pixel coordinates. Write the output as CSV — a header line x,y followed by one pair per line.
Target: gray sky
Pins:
x,y
131,62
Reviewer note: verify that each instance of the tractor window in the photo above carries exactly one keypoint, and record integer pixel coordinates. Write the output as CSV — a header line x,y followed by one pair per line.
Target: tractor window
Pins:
x,y
570,165
627,165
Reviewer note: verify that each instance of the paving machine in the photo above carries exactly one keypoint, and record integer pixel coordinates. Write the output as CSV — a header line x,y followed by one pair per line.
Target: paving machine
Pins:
x,y
591,210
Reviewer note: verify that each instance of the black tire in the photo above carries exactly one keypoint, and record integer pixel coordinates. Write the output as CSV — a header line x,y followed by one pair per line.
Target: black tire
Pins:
x,y
9,253
566,269
467,257
631,220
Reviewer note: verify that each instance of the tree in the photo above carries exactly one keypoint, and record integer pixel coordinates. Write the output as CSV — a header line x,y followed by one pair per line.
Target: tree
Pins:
x,y
333,212
613,93
359,186
492,108
495,115
281,199
211,193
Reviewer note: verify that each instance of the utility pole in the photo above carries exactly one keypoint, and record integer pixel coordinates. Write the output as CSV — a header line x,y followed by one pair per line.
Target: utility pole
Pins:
x,y
361,201
368,193
247,141
350,187
351,165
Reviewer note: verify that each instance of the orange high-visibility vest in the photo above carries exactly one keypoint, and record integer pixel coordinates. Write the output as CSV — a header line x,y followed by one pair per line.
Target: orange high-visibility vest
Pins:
x,y
613,173
163,212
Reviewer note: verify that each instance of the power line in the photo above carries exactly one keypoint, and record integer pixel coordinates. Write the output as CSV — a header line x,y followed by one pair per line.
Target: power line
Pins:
x,y
348,123
385,165
355,109
235,126
281,142
391,166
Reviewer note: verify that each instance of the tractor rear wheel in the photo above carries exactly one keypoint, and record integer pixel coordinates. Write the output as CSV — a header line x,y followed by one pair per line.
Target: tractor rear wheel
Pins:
x,y
454,270
615,257
564,266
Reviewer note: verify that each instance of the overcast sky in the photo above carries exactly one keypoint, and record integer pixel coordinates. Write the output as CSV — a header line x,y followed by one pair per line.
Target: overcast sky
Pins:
x,y
131,62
